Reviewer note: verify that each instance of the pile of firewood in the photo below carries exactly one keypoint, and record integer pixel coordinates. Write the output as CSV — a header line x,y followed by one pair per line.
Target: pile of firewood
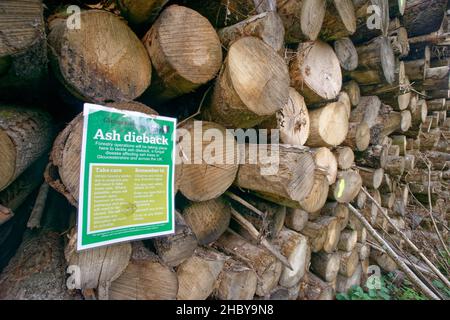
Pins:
x,y
359,95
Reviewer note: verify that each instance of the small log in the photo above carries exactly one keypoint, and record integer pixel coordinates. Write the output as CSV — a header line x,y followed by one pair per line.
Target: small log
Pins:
x,y
314,288
240,101
358,136
325,265
347,240
145,278
208,169
353,91
366,111
333,232
198,274
337,210
267,26
317,197
302,19
339,21
323,131
315,72
344,157
291,183
266,266
176,248
236,282
371,178
140,13
296,219
372,19
373,157
292,120
343,284
325,159
294,246
346,53
316,234
208,219
349,262
347,186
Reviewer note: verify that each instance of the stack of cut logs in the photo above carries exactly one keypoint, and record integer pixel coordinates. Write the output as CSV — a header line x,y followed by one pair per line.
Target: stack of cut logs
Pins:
x,y
359,91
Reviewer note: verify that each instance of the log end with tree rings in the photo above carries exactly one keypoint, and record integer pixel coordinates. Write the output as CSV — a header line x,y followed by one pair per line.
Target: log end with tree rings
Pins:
x,y
345,157
185,52
253,85
210,162
302,19
66,152
325,265
328,125
387,59
102,61
325,160
318,195
316,72
208,219
347,186
292,120
346,53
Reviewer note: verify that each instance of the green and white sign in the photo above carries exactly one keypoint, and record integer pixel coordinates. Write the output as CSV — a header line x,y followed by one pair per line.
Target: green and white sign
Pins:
x,y
126,176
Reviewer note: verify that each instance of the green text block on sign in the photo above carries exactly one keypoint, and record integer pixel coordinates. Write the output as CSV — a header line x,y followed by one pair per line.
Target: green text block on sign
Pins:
x,y
126,179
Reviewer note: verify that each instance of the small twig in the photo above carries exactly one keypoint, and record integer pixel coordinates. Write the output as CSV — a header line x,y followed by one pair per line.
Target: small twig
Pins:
x,y
245,203
36,215
256,235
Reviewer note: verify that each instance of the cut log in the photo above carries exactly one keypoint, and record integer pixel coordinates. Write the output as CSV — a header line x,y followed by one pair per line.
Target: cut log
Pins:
x,y
366,111
65,158
346,53
145,278
266,266
184,55
371,178
344,157
339,21
17,128
399,40
346,187
373,157
328,125
236,282
140,13
198,274
103,61
243,101
333,232
435,79
99,267
423,17
349,262
358,136
23,50
347,240
325,265
397,7
314,288
317,197
337,210
353,91
296,219
315,72
383,260
267,26
292,120
288,185
210,158
208,219
363,250
316,234
302,19
376,63
325,160
176,248
294,246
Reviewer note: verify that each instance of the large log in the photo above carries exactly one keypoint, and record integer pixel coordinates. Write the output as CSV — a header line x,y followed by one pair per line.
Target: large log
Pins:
x,y
292,120
288,185
145,278
25,135
197,275
266,266
23,50
423,16
65,158
328,125
267,26
176,248
184,55
243,101
102,61
209,157
208,219
302,19
315,72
